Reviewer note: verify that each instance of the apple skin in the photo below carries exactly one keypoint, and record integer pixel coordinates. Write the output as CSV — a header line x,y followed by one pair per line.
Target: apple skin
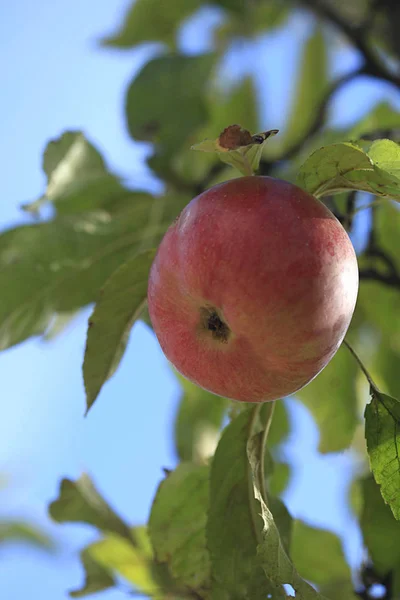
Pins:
x,y
252,289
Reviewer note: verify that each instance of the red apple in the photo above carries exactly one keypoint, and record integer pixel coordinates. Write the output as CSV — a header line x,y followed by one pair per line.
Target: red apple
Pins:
x,y
252,289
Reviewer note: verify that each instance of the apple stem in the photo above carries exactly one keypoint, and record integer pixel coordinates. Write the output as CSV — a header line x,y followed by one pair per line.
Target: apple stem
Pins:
x,y
247,166
371,382
269,417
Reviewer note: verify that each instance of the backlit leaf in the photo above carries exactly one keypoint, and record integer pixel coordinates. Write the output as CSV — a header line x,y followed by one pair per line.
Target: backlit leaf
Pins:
x,y
97,577
382,432
362,166
177,525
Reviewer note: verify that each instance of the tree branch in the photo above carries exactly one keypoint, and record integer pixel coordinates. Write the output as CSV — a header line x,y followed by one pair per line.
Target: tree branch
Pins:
x,y
373,65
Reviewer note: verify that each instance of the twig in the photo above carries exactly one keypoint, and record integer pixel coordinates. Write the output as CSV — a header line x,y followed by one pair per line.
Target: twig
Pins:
x,y
373,65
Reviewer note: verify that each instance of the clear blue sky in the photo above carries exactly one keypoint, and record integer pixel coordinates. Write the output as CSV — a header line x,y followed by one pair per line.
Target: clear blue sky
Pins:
x,y
54,77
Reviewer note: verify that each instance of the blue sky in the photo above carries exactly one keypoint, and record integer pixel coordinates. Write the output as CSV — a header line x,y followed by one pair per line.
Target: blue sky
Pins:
x,y
55,77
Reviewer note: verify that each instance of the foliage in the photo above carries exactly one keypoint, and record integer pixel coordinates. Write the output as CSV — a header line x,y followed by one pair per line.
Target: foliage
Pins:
x,y
218,528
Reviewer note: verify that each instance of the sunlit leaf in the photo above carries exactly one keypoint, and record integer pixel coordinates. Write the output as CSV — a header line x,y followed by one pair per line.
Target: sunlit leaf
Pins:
x,y
368,167
97,577
119,306
80,502
331,398
177,525
165,102
382,432
132,562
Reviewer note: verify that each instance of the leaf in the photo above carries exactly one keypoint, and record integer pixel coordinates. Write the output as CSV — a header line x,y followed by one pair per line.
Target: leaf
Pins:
x,y
234,526
234,105
279,479
346,166
132,562
97,577
165,103
270,551
324,560
77,176
236,147
151,20
382,117
382,432
177,525
61,265
331,398
80,502
380,530
339,590
119,306
198,422
310,89
20,531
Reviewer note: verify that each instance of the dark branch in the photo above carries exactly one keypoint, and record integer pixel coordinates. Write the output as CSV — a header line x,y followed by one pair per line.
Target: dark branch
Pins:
x,y
389,279
357,36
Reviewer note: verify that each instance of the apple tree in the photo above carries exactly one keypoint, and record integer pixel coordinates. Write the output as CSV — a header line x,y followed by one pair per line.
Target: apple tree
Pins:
x,y
218,527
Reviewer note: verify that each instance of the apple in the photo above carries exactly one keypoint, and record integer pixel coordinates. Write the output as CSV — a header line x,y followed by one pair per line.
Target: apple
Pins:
x,y
252,289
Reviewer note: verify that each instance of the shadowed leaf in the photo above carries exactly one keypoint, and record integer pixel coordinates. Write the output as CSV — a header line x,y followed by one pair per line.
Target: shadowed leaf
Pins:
x,y
119,306
80,502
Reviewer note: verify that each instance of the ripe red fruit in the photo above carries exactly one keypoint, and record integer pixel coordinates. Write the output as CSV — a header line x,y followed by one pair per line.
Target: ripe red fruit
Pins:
x,y
252,289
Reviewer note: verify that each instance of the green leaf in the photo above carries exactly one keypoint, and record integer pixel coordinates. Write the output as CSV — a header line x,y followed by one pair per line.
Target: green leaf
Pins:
x,y
77,176
382,432
380,530
233,105
309,91
119,306
279,478
151,20
198,422
132,562
331,398
80,502
339,590
323,562
367,167
20,531
165,102
61,265
97,577
382,117
236,147
177,525
236,6
234,526
271,551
